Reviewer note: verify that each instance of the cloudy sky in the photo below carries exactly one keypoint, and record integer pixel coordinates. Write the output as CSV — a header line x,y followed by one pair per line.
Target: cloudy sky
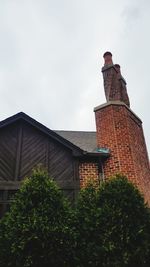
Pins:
x,y
51,54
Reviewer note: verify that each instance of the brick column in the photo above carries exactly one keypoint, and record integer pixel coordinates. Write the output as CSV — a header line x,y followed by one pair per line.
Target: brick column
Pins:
x,y
120,130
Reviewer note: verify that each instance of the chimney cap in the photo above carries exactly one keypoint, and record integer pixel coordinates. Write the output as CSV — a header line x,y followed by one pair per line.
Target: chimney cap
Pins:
x,y
107,54
117,66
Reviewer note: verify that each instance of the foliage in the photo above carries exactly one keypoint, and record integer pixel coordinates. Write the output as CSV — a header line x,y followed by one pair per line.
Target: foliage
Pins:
x,y
108,227
124,223
36,232
112,225
88,245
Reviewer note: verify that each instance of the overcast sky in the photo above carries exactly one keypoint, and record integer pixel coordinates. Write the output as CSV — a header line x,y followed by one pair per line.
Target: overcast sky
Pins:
x,y
51,54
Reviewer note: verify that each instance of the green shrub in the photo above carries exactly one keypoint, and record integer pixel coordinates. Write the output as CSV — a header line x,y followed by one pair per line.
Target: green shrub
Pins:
x,y
88,245
108,227
124,223
112,225
36,232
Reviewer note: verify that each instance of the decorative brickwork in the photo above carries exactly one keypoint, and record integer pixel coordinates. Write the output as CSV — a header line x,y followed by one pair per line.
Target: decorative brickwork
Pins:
x,y
114,83
88,171
120,130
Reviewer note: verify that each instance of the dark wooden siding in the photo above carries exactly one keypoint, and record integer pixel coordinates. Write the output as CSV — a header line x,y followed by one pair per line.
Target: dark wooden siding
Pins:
x,y
61,164
23,147
33,150
8,147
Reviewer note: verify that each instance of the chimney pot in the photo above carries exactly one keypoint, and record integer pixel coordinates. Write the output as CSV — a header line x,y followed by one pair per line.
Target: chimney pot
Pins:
x,y
107,58
117,66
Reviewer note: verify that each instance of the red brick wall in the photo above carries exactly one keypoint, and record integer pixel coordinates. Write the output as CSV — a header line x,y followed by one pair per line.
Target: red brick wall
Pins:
x,y
120,130
88,171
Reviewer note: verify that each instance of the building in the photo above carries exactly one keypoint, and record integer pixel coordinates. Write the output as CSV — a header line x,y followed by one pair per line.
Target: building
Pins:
x,y
74,157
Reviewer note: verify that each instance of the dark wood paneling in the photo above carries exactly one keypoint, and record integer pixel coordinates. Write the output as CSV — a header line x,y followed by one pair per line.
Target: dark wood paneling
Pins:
x,y
33,150
24,147
61,164
8,147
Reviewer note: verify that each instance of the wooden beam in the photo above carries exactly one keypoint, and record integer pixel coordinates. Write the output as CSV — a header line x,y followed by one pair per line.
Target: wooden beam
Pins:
x,y
18,152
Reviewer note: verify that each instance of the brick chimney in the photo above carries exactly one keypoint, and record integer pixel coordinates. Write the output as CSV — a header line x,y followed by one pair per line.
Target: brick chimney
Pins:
x,y
114,83
120,130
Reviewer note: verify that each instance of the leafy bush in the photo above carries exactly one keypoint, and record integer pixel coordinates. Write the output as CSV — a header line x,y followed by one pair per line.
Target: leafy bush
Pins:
x,y
112,225
108,227
88,233
124,223
36,232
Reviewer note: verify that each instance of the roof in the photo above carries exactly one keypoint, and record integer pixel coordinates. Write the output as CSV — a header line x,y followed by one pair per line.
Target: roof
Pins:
x,y
81,143
84,140
24,117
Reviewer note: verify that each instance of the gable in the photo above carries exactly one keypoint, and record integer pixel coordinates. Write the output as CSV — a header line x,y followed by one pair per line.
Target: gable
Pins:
x,y
24,147
26,144
25,118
